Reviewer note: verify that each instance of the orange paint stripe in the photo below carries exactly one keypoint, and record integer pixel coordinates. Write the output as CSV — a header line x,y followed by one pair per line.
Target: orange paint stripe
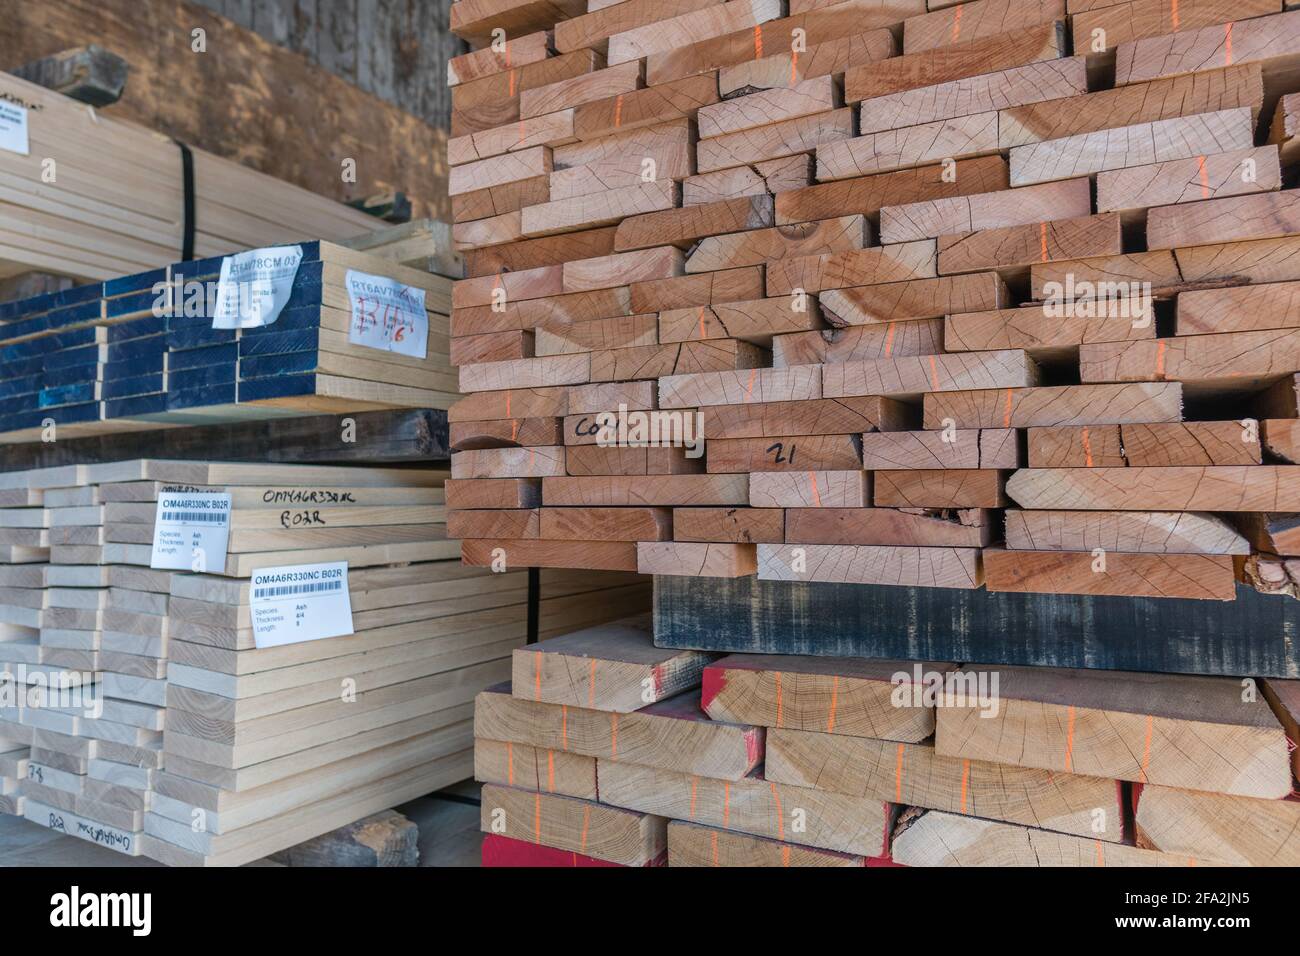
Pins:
x,y
508,415
513,74
889,339
816,495
785,856
780,814
749,389
550,770
1205,179
1173,14
715,848
956,24
965,783
1160,358
898,776
794,66
618,111
1069,742
1087,449
1042,240
758,43
1146,748
702,334
1101,857
1006,415
537,818
514,429
586,826
779,702
835,696
934,374
1227,44
537,675
510,763
695,790
726,803
613,736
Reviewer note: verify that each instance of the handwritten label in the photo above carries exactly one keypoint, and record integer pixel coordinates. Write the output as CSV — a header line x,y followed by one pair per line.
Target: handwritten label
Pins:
x,y
191,531
387,315
296,603
13,128
254,286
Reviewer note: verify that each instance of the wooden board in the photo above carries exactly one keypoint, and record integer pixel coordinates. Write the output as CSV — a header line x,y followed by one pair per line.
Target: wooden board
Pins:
x,y
752,805
911,527
947,839
841,696
1056,405
1145,532
1142,144
1162,730
1207,826
828,489
1198,576
871,564
1210,488
690,844
1173,443
673,734
725,560
612,668
912,774
580,826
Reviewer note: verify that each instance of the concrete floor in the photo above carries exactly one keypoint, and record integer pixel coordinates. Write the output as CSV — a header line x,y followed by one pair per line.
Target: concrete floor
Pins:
x,y
449,836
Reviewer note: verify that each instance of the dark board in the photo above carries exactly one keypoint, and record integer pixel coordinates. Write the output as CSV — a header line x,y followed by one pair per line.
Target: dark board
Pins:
x,y
417,435
1252,636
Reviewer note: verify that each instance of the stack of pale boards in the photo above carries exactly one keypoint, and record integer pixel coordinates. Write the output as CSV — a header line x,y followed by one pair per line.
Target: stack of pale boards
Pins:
x,y
206,749
642,192
605,750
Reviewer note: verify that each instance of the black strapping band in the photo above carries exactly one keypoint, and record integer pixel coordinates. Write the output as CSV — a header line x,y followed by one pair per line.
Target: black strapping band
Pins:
x,y
187,183
534,603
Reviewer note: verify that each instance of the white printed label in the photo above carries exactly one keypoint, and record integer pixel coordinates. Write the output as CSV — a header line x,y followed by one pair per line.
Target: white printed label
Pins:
x,y
299,603
254,286
13,128
191,531
387,315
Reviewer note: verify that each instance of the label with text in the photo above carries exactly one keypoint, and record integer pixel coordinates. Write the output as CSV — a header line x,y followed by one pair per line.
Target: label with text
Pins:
x,y
296,603
191,531
387,315
13,128
254,286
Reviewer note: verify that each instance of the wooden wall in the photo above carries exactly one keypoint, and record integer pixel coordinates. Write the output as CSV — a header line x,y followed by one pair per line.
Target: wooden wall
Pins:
x,y
256,102
395,49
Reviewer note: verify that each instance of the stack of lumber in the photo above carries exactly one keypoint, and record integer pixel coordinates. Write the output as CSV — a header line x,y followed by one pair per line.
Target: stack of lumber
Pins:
x,y
195,745
93,198
956,301
606,750
143,349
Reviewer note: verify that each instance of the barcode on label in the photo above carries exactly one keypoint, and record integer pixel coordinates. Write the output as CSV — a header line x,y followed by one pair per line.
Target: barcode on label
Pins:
x,y
288,589
205,517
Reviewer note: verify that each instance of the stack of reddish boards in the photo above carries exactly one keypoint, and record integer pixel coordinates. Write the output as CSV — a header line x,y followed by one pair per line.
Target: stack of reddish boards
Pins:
x,y
1000,294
